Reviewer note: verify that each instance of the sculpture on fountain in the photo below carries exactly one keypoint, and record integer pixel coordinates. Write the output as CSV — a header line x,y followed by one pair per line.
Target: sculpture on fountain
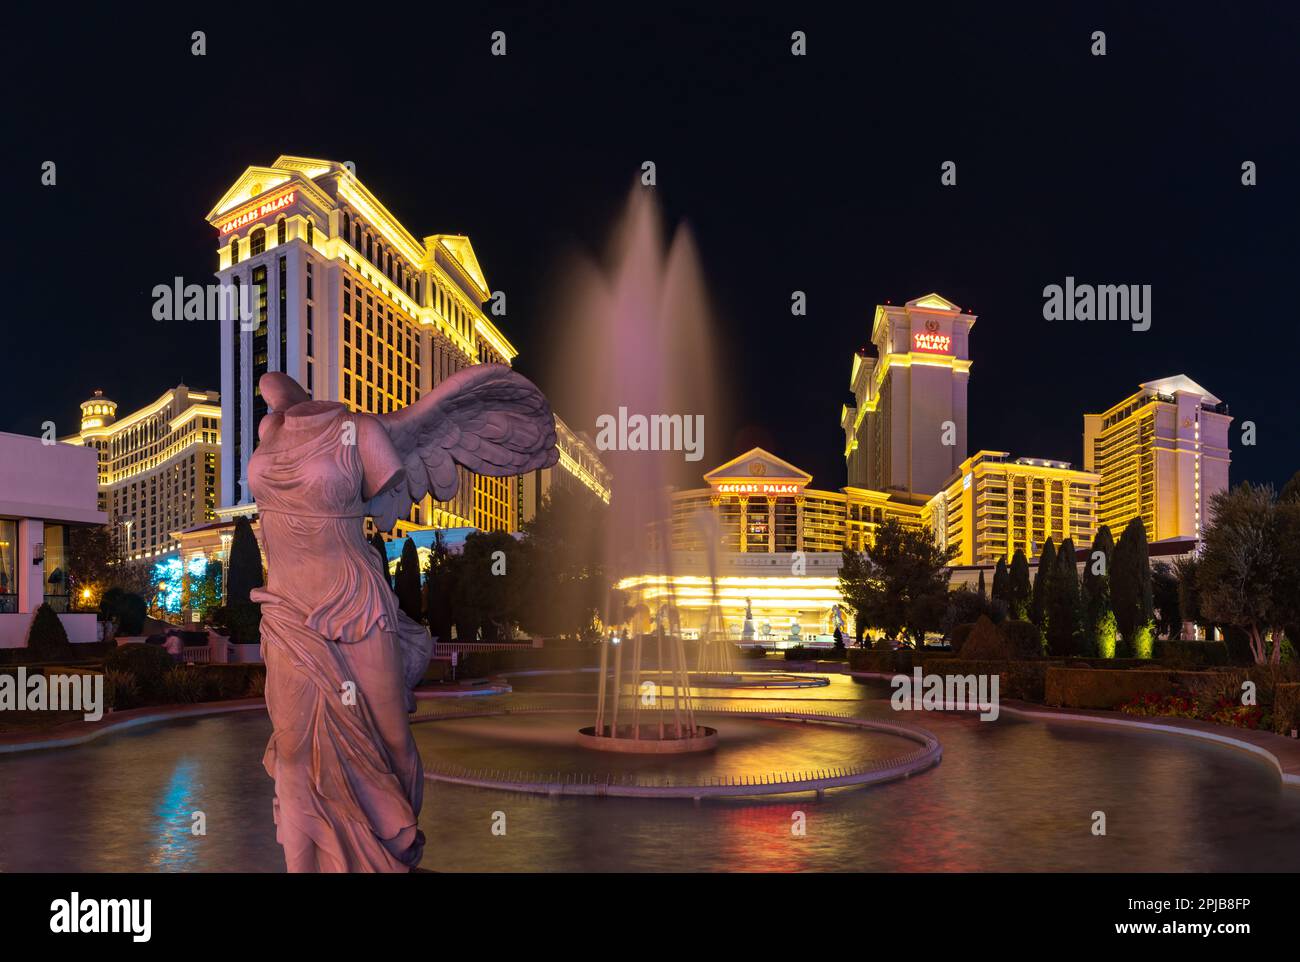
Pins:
x,y
747,629
341,657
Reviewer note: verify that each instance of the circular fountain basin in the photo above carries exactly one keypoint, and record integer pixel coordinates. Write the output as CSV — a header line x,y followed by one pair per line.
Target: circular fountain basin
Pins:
x,y
649,743
757,679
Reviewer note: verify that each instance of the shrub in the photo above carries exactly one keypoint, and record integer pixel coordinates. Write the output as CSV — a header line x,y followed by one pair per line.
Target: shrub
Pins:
x,y
47,641
1286,708
1023,680
148,664
257,685
1167,706
959,635
1191,654
756,652
866,659
183,685
984,642
798,653
1023,639
120,690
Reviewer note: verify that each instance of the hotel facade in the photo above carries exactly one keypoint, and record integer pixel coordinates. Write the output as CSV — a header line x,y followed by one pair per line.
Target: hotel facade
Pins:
x,y
338,294
775,543
1162,454
993,506
579,469
906,428
158,468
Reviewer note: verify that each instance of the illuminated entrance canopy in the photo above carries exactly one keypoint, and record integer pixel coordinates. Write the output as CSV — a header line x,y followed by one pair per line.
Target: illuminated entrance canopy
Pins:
x,y
758,473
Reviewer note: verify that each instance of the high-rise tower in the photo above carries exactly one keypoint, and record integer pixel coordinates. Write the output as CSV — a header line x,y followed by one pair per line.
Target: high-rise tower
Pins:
x,y
906,430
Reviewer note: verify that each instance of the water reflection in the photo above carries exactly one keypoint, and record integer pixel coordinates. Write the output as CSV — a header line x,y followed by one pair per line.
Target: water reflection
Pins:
x,y
1008,796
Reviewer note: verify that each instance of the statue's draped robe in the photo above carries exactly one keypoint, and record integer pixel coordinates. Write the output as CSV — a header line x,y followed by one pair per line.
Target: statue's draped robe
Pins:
x,y
341,658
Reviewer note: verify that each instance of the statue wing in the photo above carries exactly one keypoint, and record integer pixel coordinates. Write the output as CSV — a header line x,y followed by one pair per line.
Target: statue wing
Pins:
x,y
487,417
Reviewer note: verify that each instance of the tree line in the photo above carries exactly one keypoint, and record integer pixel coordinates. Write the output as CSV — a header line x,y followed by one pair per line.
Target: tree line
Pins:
x,y
1244,581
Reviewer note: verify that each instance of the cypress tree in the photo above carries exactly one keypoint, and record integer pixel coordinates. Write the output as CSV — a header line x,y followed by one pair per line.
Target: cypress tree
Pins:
x,y
438,590
1062,607
982,592
1043,577
1098,618
244,570
1018,593
408,581
377,542
1000,583
1130,591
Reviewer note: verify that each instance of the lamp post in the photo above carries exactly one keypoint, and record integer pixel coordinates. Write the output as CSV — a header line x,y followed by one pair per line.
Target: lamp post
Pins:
x,y
226,538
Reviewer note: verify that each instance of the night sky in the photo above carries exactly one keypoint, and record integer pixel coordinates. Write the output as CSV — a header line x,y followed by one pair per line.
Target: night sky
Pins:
x,y
817,173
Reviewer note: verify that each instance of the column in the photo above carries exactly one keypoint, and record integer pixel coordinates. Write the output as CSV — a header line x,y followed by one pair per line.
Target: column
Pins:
x,y
798,522
771,525
744,522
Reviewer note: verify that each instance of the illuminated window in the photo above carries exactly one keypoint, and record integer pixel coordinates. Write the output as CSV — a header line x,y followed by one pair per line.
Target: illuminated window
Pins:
x,y
347,226
311,228
281,230
256,241
234,250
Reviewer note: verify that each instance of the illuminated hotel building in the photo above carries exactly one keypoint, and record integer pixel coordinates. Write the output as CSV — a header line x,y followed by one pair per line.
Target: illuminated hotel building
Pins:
x,y
344,299
780,544
1162,454
579,469
906,428
992,506
159,468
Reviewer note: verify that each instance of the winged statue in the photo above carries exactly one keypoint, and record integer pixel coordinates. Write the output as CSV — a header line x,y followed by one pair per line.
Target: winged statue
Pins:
x,y
341,657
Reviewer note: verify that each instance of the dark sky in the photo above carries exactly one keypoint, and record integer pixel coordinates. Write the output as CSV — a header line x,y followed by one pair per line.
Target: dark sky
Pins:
x,y
818,173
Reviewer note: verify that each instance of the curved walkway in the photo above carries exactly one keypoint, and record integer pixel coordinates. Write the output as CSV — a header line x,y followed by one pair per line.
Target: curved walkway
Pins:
x,y
627,785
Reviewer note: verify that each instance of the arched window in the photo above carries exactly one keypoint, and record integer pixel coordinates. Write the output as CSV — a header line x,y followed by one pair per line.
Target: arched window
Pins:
x,y
234,250
281,231
370,247
347,226
256,241
356,235
311,230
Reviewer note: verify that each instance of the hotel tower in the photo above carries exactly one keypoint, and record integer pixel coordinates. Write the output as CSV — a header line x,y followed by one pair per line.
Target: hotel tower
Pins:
x,y
906,428
159,468
343,298
1162,454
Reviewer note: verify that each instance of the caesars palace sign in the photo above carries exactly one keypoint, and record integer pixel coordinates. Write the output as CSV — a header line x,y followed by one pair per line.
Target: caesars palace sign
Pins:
x,y
250,214
763,487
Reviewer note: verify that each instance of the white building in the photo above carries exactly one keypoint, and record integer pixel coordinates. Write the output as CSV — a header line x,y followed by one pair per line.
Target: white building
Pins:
x,y
44,490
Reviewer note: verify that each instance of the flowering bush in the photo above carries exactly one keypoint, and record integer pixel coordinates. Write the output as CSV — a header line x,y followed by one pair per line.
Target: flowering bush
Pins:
x,y
1223,711
1229,712
1172,706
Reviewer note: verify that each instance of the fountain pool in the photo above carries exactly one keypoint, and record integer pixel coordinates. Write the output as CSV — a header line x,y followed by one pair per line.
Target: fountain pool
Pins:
x,y
1009,795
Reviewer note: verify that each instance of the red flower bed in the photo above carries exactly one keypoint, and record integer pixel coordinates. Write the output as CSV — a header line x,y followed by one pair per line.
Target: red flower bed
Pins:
x,y
1182,705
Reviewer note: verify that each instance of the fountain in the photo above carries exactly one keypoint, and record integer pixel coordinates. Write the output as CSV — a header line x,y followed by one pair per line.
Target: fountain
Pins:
x,y
641,325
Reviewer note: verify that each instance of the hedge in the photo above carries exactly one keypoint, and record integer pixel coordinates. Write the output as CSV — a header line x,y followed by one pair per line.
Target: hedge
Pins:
x,y
1107,688
1200,654
1286,708
1023,680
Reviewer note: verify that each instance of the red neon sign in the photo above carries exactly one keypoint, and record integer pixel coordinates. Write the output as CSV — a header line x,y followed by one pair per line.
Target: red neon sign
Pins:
x,y
250,214
932,343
